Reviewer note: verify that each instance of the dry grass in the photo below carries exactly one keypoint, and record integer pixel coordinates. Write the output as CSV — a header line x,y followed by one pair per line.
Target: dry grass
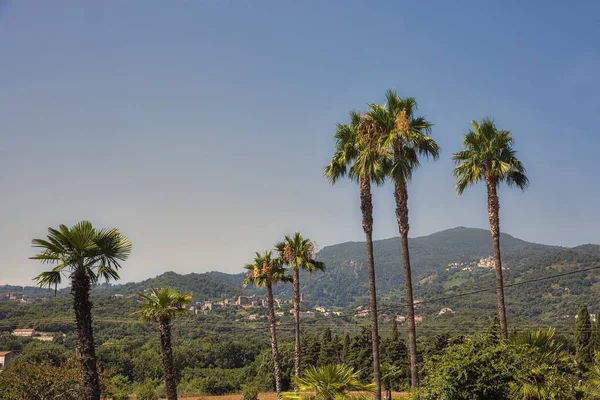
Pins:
x,y
268,396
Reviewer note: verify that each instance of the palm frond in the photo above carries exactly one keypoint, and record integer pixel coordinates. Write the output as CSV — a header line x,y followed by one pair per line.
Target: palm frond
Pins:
x,y
488,154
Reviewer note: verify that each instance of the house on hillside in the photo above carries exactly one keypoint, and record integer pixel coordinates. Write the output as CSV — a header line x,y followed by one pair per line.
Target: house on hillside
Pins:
x,y
445,310
418,318
24,332
5,358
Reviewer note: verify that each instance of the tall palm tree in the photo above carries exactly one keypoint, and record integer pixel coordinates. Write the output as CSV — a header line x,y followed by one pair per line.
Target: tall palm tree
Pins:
x,y
489,156
406,136
298,252
267,271
358,154
85,255
162,306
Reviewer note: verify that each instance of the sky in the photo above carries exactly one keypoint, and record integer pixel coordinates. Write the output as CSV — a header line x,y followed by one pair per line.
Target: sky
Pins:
x,y
201,128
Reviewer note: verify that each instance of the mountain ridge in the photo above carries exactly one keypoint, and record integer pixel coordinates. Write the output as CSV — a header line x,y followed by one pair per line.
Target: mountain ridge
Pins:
x,y
344,284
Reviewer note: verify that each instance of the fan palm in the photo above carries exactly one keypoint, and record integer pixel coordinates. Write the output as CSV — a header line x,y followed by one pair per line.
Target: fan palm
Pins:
x,y
162,306
406,136
85,255
358,155
330,382
267,271
298,252
549,374
489,156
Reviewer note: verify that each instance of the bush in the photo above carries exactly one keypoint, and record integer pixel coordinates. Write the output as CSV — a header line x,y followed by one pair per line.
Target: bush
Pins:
x,y
250,393
146,391
119,388
475,369
37,382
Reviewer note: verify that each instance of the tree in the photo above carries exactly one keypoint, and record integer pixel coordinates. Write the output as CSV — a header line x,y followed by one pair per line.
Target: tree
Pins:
x,y
311,348
85,255
24,380
489,156
394,350
474,369
358,154
406,136
584,351
298,253
327,354
162,306
390,376
331,382
267,271
345,356
360,355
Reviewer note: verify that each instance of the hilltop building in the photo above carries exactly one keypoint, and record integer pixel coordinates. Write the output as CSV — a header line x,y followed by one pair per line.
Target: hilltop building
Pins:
x,y
24,332
5,358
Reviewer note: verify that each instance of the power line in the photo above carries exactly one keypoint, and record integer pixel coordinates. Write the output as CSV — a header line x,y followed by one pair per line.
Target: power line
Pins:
x,y
507,286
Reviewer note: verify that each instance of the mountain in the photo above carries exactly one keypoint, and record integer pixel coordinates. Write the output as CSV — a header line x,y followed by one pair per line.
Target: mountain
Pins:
x,y
444,264
203,286
345,281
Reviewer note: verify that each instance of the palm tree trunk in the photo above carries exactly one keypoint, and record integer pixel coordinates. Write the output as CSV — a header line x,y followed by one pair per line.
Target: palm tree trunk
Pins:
x,y
297,321
167,358
366,206
274,349
80,287
401,196
494,218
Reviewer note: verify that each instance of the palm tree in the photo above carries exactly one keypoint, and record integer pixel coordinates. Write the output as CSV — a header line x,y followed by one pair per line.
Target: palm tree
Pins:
x,y
85,255
489,156
358,154
550,372
162,306
406,136
331,382
298,252
267,271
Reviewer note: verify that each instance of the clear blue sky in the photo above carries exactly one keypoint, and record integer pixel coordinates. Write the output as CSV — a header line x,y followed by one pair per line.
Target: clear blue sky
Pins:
x,y
200,128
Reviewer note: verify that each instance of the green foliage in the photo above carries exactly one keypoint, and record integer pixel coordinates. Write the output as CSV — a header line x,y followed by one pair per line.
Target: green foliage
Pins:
x,y
360,356
530,366
299,253
119,388
263,367
488,154
265,270
472,370
250,393
146,391
330,382
545,371
44,353
163,303
24,380
328,349
584,350
98,252
147,365
403,134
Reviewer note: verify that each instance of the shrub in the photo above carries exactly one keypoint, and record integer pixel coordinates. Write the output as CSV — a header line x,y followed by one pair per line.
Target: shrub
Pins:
x,y
38,382
250,393
146,391
119,388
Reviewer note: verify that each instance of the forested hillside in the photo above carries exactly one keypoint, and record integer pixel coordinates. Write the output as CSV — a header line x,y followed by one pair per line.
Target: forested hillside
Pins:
x,y
344,283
